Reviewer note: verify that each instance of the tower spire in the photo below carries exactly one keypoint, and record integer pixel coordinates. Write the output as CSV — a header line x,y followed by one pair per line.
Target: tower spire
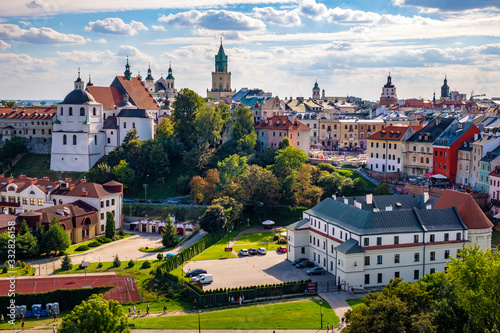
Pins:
x,y
128,73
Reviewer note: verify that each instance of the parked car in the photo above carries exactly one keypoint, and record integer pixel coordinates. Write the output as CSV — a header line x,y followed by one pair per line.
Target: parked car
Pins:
x,y
196,272
282,249
172,201
305,264
261,250
203,278
185,202
157,201
316,271
295,262
128,200
244,252
252,251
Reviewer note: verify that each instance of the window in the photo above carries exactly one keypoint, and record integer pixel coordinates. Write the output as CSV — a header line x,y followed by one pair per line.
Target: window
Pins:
x,y
433,270
396,258
416,257
70,111
62,113
25,201
125,125
93,111
367,261
310,239
379,260
446,237
367,278
95,140
40,202
379,278
379,240
396,275
102,216
102,227
82,112
65,139
133,125
459,236
112,202
303,250
32,201
415,239
433,256
107,203
433,238
367,241
74,140
396,239
446,254
416,274
102,204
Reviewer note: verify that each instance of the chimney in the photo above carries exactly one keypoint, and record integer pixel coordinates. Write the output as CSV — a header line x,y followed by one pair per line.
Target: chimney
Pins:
x,y
388,208
476,137
428,206
334,197
22,177
369,199
358,205
346,201
45,178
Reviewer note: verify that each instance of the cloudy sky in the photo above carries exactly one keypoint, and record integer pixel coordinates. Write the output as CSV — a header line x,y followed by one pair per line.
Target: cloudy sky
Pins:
x,y
276,45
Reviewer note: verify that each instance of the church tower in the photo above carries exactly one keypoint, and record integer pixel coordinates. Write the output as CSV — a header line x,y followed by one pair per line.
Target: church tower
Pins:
x,y
445,90
170,81
221,78
388,96
128,73
149,82
315,90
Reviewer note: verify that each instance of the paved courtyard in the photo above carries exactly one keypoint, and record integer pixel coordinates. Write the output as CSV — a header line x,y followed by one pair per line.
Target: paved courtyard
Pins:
x,y
253,270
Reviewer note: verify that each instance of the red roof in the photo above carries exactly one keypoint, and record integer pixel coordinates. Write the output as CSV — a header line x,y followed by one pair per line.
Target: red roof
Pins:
x,y
109,97
469,211
35,113
281,122
138,93
392,133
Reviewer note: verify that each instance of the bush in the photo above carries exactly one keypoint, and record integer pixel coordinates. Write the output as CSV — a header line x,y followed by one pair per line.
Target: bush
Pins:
x,y
282,241
131,263
23,264
94,244
5,269
159,256
104,240
275,238
116,262
116,237
18,263
326,167
82,248
99,265
146,264
66,263
121,232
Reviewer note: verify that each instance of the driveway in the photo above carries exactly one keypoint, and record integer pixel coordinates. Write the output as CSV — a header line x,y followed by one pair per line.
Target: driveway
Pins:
x,y
253,270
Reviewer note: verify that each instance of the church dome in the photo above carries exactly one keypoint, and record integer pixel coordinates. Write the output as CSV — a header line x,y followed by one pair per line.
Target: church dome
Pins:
x,y
78,96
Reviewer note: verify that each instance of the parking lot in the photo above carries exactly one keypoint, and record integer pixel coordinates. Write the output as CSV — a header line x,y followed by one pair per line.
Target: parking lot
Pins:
x,y
253,270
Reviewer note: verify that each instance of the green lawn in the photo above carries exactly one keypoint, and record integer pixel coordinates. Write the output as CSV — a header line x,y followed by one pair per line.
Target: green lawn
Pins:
x,y
72,249
495,238
38,165
256,237
108,267
355,302
30,323
19,271
157,306
297,314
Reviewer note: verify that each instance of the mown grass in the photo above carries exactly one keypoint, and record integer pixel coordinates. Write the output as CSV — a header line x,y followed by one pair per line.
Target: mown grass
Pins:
x,y
354,303
217,251
256,237
19,271
30,323
296,314
268,246
108,267
38,165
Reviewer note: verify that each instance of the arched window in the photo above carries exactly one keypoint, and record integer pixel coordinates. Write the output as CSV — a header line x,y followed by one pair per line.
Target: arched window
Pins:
x,y
70,111
54,201
74,140
62,111
94,112
60,202
82,112
65,139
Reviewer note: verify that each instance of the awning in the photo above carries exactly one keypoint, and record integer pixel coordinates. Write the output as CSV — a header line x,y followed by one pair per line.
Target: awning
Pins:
x,y
429,174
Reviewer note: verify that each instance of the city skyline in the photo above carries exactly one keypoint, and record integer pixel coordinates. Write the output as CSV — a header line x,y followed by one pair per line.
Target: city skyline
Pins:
x,y
275,45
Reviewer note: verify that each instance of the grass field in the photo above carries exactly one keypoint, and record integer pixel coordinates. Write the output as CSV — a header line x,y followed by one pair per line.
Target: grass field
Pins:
x,y
30,323
296,314
355,302
19,271
268,246
108,267
216,251
38,165
256,237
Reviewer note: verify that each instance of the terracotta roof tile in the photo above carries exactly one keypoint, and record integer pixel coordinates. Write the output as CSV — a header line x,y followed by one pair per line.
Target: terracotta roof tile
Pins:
x,y
27,113
138,93
109,97
391,133
471,213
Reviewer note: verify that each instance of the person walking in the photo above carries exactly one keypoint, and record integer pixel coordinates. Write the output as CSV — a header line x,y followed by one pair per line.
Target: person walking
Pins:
x,y
133,310
327,327
22,325
129,311
147,309
54,328
165,309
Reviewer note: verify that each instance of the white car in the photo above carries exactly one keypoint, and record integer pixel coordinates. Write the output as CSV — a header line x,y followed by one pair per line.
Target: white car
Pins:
x,y
244,252
261,250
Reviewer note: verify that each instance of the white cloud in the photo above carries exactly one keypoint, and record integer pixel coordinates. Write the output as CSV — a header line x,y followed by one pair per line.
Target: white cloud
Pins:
x,y
213,20
216,34
38,35
21,64
101,41
133,53
24,23
87,57
448,5
4,45
158,28
116,26
339,46
279,17
312,9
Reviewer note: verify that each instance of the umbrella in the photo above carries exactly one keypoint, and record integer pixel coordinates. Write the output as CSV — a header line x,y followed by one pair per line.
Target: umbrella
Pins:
x,y
268,222
429,174
439,176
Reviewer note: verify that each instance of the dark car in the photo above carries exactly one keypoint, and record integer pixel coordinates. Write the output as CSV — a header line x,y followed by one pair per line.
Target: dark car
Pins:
x,y
305,264
252,251
316,271
157,201
295,262
185,202
196,272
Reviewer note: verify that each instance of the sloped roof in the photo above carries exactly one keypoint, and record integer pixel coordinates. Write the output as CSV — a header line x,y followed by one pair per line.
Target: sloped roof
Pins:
x,y
440,219
109,97
350,246
281,123
111,123
138,93
133,113
92,190
27,113
470,212
396,201
432,130
453,133
78,96
297,225
390,133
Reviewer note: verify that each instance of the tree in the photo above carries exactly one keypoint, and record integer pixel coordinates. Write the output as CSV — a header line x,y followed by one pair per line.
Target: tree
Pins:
x,y
186,105
269,155
24,229
169,237
39,231
8,104
261,188
284,143
100,173
232,167
382,189
232,207
26,245
116,261
243,132
66,264
165,128
4,245
124,174
209,124
197,186
55,239
96,315
287,160
330,183
154,159
12,148
110,225
212,182
213,219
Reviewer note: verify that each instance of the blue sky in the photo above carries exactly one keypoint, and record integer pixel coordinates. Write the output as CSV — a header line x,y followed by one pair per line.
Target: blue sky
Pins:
x,y
279,46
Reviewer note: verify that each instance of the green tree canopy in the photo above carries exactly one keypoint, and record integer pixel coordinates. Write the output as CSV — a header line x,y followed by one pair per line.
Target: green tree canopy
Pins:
x,y
96,315
186,105
209,124
124,174
284,143
243,132
165,128
213,219
232,207
55,239
287,160
232,167
382,189
169,237
100,173
110,225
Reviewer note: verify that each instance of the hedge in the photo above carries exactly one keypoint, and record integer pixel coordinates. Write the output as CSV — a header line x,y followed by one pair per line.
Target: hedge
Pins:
x,y
94,244
82,248
67,298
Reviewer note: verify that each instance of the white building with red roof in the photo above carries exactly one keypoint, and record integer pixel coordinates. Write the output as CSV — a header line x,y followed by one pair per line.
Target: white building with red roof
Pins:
x,y
274,129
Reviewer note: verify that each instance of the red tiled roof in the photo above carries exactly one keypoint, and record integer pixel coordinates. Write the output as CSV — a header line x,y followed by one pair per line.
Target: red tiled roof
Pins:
x,y
84,189
109,97
391,133
41,113
471,213
138,93
281,122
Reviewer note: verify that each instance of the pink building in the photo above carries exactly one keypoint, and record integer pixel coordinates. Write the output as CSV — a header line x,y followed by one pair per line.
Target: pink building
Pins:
x,y
494,190
274,129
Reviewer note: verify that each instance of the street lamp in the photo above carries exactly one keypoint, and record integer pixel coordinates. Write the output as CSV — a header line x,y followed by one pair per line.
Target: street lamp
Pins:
x,y
199,322
145,192
267,243
321,307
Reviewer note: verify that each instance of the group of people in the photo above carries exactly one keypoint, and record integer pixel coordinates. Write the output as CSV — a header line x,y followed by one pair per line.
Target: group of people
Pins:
x,y
132,310
240,300
341,325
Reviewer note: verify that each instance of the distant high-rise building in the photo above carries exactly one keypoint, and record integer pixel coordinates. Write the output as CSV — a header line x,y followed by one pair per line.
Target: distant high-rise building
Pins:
x,y
221,78
388,96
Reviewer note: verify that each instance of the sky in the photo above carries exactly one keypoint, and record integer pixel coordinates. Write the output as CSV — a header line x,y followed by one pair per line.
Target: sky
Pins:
x,y
279,46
